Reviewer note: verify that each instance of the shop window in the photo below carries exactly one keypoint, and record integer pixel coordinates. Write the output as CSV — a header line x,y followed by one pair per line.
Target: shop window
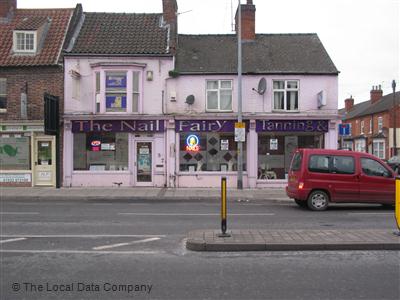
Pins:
x,y
3,95
275,153
214,152
219,95
286,95
379,148
15,152
347,145
101,151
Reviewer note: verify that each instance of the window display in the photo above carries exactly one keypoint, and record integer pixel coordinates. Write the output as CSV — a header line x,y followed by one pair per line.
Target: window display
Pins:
x,y
15,152
275,152
209,152
101,151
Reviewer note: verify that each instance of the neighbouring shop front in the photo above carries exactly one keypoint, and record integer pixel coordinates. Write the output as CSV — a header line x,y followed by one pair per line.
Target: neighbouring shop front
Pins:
x,y
277,140
27,156
115,153
206,151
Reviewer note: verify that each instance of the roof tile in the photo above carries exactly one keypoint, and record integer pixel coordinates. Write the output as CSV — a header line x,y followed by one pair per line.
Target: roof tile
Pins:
x,y
120,33
49,53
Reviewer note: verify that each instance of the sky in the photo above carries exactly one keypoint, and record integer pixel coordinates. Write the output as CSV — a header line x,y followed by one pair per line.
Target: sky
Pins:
x,y
362,37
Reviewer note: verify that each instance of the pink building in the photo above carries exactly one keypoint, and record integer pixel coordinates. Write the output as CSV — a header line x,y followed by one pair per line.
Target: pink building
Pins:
x,y
148,107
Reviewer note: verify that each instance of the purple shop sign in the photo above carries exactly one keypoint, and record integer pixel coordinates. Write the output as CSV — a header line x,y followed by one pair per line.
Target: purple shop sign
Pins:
x,y
207,125
292,125
118,126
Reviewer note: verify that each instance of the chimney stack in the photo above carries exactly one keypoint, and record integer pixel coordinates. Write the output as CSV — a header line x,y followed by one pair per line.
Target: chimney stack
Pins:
x,y
170,18
7,8
248,26
349,103
376,94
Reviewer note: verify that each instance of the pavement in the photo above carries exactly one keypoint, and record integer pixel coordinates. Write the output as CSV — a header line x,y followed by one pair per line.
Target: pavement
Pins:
x,y
208,239
293,240
140,193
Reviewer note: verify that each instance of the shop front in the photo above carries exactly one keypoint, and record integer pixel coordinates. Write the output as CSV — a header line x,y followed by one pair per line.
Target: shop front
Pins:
x,y
27,156
277,140
206,151
114,153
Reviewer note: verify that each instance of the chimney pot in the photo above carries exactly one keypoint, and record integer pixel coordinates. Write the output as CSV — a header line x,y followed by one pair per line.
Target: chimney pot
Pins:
x,y
376,94
348,103
7,8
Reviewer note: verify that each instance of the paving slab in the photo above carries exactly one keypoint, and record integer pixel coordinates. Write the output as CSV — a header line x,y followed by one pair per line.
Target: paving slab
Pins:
x,y
292,240
140,193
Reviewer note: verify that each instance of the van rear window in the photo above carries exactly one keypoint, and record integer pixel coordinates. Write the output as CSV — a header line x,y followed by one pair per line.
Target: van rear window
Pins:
x,y
296,162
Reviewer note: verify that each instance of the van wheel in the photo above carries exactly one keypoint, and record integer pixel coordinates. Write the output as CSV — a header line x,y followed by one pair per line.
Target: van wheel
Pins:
x,y
318,200
301,203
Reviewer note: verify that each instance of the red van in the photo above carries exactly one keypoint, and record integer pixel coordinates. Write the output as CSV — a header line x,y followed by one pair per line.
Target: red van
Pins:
x,y
318,177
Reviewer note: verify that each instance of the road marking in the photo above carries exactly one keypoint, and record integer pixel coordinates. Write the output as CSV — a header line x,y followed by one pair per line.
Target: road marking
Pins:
x,y
79,235
125,244
11,240
18,213
79,252
182,214
376,213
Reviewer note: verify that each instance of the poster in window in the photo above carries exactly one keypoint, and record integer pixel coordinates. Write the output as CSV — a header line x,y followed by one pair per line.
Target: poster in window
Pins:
x,y
114,101
144,163
273,144
224,145
116,81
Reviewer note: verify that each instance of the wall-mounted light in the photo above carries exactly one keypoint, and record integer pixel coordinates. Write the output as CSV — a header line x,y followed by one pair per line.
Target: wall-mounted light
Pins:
x,y
149,75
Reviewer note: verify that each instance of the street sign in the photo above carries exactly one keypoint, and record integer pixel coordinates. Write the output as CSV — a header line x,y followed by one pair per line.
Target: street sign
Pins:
x,y
240,132
397,203
344,129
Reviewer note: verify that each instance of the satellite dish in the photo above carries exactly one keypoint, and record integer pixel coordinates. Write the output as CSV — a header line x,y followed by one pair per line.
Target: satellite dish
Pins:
x,y
190,99
262,86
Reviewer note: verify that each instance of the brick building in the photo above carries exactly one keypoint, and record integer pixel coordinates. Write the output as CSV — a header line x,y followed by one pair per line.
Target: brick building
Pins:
x,y
371,123
31,63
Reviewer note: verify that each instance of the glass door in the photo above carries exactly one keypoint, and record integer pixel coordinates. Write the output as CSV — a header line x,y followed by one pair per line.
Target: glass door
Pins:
x,y
144,162
45,162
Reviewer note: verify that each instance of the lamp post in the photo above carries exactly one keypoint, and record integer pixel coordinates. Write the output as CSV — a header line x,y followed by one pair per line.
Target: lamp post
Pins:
x,y
394,118
239,143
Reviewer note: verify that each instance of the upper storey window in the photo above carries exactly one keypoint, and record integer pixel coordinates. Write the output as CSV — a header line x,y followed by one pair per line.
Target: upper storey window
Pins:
x,y
118,91
25,41
286,95
219,95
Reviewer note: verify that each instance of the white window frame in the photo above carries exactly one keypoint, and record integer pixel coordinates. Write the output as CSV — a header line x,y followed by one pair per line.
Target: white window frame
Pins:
x,y
377,150
380,124
360,145
99,102
362,127
4,110
218,90
24,50
347,145
285,90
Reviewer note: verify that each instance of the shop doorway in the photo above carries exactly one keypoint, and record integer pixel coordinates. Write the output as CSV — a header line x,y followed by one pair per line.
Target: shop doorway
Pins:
x,y
143,163
44,161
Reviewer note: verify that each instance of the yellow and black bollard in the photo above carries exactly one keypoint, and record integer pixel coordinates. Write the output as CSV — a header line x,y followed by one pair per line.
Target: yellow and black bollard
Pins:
x,y
223,209
397,205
